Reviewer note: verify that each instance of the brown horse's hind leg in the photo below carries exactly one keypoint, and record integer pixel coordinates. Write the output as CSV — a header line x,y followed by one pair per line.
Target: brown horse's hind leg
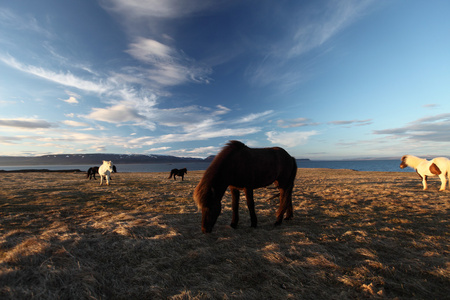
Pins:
x,y
289,209
251,206
282,208
285,205
235,206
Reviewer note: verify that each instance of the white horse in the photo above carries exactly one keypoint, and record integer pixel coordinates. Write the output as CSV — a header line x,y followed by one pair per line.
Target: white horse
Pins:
x,y
105,171
439,166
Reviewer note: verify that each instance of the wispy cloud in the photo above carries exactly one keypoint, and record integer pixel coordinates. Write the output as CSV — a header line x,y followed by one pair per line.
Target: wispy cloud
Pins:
x,y
26,123
115,114
71,100
158,149
317,24
165,65
290,139
161,9
298,122
194,135
9,19
10,140
72,123
431,105
254,116
329,21
64,78
434,128
200,152
351,122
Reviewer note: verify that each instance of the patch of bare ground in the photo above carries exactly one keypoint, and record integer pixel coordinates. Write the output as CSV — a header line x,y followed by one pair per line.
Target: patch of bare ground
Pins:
x,y
354,235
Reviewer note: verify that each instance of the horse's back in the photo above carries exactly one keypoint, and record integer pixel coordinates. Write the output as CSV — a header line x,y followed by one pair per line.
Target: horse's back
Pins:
x,y
259,167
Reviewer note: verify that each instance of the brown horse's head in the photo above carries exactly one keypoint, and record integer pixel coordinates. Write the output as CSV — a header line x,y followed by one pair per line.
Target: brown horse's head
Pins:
x,y
403,164
209,202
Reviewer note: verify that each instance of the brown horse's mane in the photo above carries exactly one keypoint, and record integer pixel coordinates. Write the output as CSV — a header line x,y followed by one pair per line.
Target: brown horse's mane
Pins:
x,y
204,187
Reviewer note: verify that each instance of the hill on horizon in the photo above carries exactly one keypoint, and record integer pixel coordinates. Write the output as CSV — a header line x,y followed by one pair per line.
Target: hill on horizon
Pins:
x,y
94,159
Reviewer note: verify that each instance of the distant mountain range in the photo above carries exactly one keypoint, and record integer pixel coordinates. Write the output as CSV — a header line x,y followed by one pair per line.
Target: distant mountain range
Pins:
x,y
94,159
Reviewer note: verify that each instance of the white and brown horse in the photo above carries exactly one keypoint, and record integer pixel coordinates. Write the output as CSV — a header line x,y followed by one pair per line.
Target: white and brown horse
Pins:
x,y
439,166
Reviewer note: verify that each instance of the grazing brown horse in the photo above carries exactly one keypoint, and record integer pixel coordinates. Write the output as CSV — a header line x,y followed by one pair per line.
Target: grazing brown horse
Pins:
x,y
242,168
176,172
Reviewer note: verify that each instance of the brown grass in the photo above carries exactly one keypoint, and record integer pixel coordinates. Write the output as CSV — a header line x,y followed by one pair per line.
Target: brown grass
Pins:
x,y
354,235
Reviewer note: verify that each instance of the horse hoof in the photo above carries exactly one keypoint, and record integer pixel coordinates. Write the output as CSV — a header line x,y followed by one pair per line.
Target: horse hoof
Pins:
x,y
277,223
233,225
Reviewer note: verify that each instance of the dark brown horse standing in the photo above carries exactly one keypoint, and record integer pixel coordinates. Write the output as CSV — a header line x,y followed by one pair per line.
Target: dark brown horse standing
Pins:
x,y
242,168
91,172
176,172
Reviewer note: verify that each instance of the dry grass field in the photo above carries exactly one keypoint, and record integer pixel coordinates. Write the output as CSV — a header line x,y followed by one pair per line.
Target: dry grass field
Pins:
x,y
354,235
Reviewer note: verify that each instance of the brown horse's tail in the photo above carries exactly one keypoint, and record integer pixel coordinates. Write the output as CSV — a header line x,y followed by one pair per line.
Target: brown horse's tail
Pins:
x,y
171,173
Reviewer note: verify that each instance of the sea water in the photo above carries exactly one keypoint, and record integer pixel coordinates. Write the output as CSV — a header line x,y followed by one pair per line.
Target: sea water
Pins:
x,y
357,165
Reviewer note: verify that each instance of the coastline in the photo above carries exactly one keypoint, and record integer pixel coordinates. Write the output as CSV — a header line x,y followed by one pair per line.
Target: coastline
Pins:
x,y
43,171
358,165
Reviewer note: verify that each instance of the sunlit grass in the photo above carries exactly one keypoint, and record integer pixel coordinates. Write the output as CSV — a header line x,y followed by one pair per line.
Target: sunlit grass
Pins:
x,y
354,235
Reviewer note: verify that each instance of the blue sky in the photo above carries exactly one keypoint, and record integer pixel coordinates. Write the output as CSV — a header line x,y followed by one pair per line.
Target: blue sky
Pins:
x,y
322,79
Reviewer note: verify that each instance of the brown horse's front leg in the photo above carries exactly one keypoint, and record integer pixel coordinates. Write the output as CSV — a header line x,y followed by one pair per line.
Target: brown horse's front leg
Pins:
x,y
251,206
235,206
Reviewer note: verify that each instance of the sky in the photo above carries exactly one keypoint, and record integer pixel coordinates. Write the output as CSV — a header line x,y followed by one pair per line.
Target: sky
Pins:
x,y
322,79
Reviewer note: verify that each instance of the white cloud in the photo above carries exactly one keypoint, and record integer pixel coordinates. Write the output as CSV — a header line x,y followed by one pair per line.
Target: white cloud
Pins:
x,y
254,116
290,139
71,100
157,149
298,122
221,110
352,122
26,123
132,9
66,79
165,65
434,128
201,133
311,28
75,123
10,140
200,152
334,18
115,114
150,51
